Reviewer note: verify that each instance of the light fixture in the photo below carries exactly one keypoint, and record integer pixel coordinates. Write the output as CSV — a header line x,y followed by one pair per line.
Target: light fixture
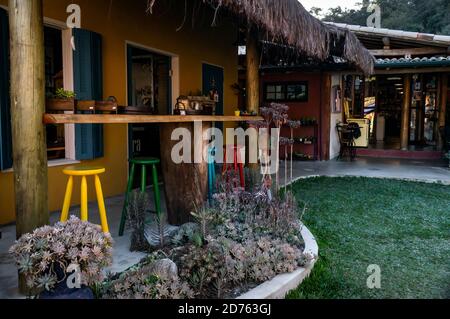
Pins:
x,y
395,78
398,84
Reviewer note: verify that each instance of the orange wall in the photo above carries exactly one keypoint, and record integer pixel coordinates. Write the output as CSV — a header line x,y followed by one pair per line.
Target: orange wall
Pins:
x,y
299,110
127,21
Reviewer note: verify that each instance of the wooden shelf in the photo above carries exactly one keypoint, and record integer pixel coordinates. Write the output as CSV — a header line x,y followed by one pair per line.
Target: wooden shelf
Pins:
x,y
140,119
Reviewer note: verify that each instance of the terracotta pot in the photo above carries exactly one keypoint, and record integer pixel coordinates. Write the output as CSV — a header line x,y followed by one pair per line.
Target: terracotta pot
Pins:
x,y
88,105
106,106
59,105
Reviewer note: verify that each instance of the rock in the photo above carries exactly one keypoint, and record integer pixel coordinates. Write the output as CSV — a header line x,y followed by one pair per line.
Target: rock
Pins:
x,y
165,269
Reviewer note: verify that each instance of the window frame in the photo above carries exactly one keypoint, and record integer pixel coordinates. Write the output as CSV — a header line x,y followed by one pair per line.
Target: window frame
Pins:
x,y
284,90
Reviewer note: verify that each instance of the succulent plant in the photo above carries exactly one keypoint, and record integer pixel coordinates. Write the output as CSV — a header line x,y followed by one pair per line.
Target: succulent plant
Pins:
x,y
44,255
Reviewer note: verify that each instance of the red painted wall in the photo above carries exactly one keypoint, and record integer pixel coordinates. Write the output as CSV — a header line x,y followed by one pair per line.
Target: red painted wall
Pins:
x,y
298,110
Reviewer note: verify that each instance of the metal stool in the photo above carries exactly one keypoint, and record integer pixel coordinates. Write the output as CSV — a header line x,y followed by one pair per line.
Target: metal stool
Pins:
x,y
143,162
237,164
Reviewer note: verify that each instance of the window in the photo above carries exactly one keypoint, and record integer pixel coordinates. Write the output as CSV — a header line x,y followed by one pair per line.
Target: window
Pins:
x,y
56,148
286,92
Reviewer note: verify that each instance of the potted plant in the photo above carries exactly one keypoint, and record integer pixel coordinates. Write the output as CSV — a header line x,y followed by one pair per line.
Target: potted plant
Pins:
x,y
62,100
63,261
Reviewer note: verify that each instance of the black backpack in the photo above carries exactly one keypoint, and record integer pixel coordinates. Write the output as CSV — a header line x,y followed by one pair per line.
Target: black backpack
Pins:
x,y
356,130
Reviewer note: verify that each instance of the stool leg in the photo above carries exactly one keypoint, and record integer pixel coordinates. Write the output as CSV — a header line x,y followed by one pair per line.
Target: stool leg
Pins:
x,y
143,178
210,181
156,190
125,205
67,199
241,167
84,200
101,205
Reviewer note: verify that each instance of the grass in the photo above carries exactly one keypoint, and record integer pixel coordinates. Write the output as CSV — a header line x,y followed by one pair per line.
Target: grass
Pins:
x,y
403,227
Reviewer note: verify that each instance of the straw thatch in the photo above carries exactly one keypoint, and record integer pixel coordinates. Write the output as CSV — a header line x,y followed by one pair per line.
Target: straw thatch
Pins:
x,y
288,22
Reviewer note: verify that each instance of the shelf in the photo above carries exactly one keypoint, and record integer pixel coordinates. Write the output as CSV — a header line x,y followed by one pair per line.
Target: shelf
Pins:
x,y
141,119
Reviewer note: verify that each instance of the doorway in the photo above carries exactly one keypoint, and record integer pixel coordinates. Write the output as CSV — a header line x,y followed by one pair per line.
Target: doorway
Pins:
x,y
213,85
149,91
423,114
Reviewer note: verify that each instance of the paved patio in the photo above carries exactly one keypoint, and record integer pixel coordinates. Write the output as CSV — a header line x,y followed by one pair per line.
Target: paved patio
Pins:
x,y
426,171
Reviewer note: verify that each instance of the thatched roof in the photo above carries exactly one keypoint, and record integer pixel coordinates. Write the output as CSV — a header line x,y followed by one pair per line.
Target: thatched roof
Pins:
x,y
288,22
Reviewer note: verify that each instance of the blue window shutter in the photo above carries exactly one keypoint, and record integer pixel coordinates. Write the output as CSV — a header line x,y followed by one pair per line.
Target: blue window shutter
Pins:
x,y
88,84
5,106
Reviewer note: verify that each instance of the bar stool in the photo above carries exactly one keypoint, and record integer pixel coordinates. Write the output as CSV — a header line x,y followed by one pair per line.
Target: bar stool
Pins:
x,y
237,164
211,172
83,172
143,162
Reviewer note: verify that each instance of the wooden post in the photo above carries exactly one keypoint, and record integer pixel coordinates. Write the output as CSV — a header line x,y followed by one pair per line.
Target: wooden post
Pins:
x,y
253,63
406,108
27,109
443,107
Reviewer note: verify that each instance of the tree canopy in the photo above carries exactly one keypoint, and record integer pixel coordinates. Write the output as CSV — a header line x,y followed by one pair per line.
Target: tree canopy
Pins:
x,y
431,16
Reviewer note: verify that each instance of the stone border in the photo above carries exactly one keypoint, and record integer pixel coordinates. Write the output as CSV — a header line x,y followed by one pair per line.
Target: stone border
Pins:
x,y
281,285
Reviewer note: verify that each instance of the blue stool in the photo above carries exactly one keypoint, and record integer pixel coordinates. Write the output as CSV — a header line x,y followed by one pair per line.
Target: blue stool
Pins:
x,y
211,173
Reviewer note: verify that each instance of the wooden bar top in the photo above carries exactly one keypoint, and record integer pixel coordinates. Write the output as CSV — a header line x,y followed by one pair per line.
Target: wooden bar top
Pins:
x,y
140,119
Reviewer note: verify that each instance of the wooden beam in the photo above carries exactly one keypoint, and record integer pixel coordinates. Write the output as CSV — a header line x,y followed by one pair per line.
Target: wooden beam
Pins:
x,y
253,56
27,109
406,107
411,52
140,119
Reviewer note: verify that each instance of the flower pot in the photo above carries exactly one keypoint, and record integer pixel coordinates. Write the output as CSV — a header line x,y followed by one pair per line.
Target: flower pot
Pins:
x,y
85,106
237,113
106,106
60,105
62,292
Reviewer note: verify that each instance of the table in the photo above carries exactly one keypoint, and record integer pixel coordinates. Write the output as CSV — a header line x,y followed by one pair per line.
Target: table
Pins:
x,y
185,185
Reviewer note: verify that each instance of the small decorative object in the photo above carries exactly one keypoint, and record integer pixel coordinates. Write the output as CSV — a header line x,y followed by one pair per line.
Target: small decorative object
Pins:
x,y
61,101
63,261
182,105
237,113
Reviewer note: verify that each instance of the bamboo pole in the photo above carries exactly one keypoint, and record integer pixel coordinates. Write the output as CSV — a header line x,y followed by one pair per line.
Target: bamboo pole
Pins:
x,y
27,110
253,57
405,113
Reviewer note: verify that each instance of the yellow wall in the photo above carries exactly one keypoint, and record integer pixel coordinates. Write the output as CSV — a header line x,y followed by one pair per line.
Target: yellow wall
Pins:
x,y
127,21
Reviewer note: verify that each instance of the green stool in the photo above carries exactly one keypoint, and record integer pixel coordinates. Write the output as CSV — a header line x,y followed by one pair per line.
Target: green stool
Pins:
x,y
144,162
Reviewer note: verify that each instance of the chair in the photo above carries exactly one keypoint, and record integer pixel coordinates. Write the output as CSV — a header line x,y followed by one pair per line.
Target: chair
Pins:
x,y
143,162
347,141
83,172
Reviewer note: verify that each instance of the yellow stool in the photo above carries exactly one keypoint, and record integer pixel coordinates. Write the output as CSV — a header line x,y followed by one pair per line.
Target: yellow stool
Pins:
x,y
84,171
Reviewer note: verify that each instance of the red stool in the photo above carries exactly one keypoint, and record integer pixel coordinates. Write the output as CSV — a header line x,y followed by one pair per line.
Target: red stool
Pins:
x,y
237,164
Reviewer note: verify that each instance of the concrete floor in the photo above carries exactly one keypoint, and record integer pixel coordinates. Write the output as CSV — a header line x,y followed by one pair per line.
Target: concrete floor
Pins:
x,y
426,171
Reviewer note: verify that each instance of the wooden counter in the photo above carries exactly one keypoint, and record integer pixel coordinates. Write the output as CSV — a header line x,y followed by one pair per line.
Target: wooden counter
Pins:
x,y
185,184
140,119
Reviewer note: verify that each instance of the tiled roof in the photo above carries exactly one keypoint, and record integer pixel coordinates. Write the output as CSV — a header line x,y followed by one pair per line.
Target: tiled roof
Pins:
x,y
416,62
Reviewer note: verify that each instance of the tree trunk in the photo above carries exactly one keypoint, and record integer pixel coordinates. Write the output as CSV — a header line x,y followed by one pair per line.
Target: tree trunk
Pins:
x,y
185,184
27,109
405,113
253,64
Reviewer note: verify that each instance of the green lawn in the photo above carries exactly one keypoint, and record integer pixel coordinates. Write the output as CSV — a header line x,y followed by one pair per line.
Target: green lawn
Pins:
x,y
403,227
